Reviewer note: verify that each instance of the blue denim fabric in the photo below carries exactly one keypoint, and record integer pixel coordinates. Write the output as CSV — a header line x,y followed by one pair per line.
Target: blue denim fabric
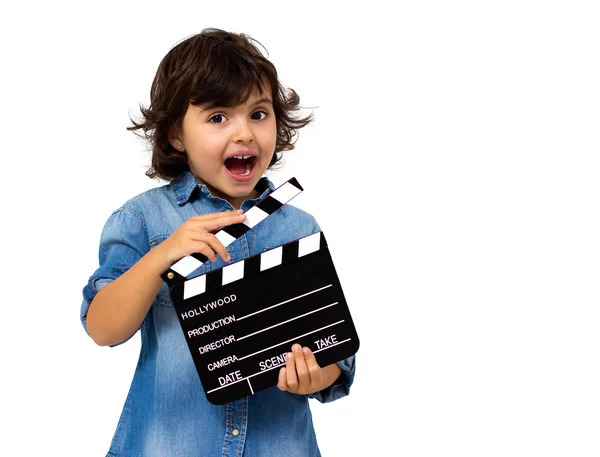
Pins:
x,y
166,412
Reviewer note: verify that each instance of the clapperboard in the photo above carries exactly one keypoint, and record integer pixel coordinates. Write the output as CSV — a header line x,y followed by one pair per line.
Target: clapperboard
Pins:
x,y
240,320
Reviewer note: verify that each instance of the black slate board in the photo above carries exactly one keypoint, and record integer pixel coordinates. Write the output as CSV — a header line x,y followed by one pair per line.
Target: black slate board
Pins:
x,y
240,320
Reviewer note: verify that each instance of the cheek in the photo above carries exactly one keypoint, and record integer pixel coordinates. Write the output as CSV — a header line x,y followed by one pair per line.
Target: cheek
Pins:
x,y
270,135
207,144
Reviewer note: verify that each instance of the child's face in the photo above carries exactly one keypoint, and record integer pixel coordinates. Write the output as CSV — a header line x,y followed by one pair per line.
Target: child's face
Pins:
x,y
229,149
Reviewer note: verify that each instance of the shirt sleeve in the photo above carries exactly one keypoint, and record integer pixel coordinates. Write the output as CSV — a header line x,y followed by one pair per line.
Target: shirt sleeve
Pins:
x,y
123,242
341,387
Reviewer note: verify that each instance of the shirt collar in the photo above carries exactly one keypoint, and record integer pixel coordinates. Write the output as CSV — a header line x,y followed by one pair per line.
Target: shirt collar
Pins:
x,y
184,186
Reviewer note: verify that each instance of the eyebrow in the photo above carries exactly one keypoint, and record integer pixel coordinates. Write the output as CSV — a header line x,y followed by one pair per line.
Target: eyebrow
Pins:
x,y
262,100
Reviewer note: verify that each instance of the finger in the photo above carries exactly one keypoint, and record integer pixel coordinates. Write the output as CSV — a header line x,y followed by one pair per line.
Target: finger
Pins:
x,y
213,243
301,368
210,216
202,248
212,222
314,369
290,373
218,224
282,383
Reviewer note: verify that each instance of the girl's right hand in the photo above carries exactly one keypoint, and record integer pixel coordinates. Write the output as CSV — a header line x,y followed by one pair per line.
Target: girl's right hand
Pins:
x,y
195,235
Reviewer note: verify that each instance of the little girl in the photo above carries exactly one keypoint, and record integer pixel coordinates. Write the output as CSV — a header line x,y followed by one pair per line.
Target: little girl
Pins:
x,y
218,118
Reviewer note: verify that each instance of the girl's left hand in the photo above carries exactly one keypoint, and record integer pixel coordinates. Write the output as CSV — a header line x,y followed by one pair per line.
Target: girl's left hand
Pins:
x,y
302,374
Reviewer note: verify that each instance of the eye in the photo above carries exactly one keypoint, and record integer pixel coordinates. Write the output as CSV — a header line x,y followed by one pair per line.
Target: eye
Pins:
x,y
219,119
259,113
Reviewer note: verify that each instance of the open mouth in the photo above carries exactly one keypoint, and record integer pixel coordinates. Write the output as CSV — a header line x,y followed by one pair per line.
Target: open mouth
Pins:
x,y
241,165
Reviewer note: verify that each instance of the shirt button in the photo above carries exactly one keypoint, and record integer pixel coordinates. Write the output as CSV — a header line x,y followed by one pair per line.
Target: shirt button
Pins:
x,y
235,432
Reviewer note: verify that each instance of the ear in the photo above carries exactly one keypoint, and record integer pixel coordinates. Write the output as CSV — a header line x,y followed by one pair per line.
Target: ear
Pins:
x,y
177,144
175,140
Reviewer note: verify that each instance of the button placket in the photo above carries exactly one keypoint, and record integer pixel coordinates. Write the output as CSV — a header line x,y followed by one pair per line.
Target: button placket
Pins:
x,y
227,446
241,412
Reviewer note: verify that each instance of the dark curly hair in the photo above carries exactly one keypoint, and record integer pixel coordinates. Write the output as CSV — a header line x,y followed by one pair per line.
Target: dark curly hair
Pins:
x,y
212,68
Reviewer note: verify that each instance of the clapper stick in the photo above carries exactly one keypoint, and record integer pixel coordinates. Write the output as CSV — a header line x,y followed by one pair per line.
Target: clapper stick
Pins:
x,y
239,321
255,215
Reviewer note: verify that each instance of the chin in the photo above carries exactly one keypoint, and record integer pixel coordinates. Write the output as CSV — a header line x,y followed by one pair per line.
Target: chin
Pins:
x,y
239,190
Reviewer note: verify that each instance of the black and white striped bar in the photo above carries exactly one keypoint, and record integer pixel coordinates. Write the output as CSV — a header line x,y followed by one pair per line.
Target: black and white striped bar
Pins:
x,y
271,203
240,320
248,267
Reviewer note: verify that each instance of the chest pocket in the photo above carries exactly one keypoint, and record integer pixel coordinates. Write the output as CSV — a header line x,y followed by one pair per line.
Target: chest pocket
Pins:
x,y
280,241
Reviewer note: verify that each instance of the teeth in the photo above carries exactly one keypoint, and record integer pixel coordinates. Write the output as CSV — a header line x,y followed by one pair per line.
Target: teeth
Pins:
x,y
241,157
248,169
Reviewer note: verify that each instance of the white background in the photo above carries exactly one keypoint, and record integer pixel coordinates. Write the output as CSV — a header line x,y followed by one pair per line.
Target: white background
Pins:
x,y
453,166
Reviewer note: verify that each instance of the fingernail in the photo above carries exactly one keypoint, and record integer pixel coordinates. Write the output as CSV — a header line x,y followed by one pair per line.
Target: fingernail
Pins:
x,y
296,348
306,351
290,355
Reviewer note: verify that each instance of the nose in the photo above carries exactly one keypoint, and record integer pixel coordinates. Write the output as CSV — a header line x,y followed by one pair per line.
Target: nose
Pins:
x,y
243,132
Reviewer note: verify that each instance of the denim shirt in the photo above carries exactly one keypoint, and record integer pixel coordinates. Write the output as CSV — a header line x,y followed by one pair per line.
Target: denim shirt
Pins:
x,y
166,412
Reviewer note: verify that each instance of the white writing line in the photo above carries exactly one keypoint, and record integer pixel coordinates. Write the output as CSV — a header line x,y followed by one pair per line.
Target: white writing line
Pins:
x,y
285,322
291,339
269,369
251,389
251,376
283,302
